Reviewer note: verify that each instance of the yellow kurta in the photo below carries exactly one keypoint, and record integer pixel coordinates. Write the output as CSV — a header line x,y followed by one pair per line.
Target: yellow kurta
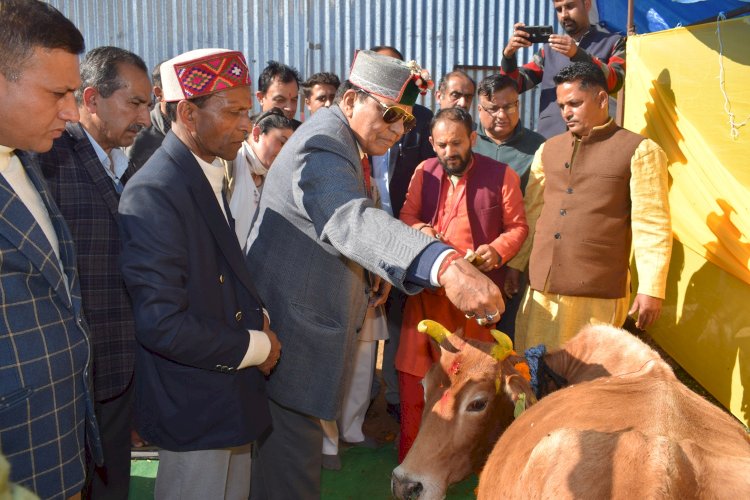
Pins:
x,y
552,319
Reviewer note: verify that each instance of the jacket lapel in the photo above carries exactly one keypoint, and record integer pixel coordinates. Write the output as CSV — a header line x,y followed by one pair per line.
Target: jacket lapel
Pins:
x,y
85,151
204,198
18,225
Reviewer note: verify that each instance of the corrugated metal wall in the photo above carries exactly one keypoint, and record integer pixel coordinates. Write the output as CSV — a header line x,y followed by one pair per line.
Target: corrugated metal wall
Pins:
x,y
313,35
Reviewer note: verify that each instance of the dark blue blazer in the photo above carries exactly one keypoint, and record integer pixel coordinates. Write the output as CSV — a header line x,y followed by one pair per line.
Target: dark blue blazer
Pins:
x,y
46,410
88,200
193,300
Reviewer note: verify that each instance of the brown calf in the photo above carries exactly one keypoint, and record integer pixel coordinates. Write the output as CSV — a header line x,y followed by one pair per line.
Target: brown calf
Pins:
x,y
641,435
470,398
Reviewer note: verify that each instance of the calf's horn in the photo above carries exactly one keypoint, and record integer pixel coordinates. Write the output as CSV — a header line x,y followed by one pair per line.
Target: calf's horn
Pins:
x,y
434,330
504,347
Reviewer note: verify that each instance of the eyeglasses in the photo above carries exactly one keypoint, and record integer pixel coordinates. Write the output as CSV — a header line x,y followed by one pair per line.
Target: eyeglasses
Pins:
x,y
391,114
509,109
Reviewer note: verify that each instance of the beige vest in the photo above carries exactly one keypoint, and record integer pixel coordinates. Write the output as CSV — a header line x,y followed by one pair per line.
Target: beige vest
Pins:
x,y
583,235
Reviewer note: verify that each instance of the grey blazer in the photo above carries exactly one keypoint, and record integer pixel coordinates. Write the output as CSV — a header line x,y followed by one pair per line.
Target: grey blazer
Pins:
x,y
316,236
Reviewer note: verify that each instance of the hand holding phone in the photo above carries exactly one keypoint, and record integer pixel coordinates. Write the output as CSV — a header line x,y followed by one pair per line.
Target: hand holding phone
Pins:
x,y
537,34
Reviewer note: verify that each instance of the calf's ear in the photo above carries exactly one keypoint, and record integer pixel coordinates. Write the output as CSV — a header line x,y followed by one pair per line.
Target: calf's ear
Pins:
x,y
515,385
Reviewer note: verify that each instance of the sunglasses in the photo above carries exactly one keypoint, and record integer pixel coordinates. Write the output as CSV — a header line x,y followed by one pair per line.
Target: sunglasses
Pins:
x,y
392,114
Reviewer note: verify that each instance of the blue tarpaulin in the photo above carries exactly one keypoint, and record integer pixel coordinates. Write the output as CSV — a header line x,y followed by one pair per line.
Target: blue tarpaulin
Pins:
x,y
657,15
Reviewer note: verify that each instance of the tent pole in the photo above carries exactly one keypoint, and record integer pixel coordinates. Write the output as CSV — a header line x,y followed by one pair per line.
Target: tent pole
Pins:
x,y
620,114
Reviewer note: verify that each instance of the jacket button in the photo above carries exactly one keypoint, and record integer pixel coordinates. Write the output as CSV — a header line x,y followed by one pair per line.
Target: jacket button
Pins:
x,y
569,190
238,316
221,278
557,236
563,212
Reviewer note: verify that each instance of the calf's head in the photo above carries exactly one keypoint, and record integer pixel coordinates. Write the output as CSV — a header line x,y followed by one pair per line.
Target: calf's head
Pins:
x,y
470,398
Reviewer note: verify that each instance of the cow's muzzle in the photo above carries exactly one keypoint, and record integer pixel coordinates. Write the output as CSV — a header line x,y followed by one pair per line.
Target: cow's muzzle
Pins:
x,y
405,489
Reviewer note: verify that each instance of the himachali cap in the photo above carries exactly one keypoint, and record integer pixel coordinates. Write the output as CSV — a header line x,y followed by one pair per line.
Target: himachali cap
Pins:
x,y
389,77
203,72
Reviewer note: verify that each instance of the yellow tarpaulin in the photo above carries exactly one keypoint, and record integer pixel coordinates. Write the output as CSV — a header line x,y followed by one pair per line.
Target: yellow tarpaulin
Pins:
x,y
689,90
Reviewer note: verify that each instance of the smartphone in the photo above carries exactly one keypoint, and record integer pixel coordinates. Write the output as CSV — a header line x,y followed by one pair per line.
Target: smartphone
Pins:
x,y
537,34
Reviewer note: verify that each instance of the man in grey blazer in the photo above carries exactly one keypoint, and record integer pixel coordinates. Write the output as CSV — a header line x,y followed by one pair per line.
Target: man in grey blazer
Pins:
x,y
320,251
46,410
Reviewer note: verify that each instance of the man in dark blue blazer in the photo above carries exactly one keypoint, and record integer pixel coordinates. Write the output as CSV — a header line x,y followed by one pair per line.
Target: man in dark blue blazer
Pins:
x,y
46,412
204,340
86,171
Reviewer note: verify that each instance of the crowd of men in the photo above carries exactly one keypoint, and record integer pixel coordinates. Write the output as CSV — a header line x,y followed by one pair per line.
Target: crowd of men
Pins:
x,y
219,281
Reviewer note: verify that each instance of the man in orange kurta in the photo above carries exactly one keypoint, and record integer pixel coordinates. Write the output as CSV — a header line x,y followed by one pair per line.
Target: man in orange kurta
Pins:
x,y
470,202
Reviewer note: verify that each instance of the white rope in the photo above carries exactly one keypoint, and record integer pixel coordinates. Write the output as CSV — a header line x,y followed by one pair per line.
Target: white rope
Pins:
x,y
734,127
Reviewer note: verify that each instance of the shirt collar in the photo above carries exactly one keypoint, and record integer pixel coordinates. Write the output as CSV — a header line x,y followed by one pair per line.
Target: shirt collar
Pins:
x,y
214,172
116,155
6,154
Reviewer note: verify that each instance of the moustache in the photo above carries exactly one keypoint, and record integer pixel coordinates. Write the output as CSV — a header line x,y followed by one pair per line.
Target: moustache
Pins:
x,y
137,127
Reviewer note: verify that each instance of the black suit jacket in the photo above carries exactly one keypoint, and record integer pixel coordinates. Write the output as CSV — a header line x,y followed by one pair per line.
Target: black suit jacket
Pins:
x,y
194,302
411,150
88,201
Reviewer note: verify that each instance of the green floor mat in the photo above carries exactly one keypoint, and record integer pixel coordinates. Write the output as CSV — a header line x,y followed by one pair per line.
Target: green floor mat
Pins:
x,y
366,474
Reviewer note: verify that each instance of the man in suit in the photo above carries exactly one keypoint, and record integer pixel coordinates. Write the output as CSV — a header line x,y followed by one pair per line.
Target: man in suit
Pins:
x,y
86,171
204,343
320,252
392,173
46,412
150,138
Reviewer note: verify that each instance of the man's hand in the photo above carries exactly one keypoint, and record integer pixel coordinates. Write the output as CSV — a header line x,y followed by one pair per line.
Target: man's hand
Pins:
x,y
519,40
648,309
472,292
490,257
273,357
512,281
378,291
427,229
563,44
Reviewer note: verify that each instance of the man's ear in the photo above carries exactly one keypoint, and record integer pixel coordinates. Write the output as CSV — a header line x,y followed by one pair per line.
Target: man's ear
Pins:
x,y
603,99
260,95
256,133
187,113
473,137
347,102
432,143
90,96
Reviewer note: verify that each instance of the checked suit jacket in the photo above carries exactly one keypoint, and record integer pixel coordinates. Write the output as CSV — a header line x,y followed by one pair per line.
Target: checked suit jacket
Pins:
x,y
88,200
46,411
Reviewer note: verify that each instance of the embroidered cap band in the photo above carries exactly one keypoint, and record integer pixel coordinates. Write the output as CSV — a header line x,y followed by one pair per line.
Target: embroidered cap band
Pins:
x,y
203,72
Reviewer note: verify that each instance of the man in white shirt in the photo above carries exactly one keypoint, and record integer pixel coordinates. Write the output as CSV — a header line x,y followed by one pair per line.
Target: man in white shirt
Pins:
x,y
86,171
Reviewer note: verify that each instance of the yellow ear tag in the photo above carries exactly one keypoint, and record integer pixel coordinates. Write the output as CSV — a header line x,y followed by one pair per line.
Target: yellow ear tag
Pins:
x,y
520,405
504,347
434,330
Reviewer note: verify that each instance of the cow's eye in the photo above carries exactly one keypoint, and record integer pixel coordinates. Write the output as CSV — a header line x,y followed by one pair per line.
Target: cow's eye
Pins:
x,y
477,405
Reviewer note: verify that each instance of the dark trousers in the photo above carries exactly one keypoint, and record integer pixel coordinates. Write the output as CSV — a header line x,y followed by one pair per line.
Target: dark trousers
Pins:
x,y
112,481
507,323
394,310
287,459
